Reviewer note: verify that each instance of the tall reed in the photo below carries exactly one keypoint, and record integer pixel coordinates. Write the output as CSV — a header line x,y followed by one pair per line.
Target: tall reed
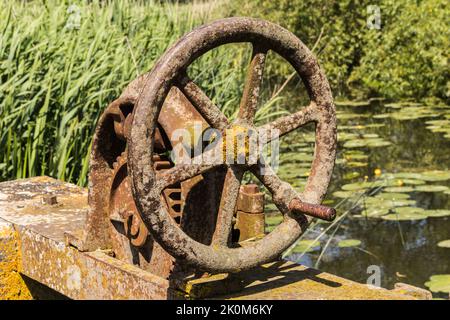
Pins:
x,y
56,77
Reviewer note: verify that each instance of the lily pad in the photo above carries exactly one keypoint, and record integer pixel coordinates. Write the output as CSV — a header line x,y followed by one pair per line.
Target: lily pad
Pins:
x,y
399,189
392,196
356,143
444,244
435,175
344,136
406,214
401,202
374,212
390,182
351,175
352,103
355,156
370,136
439,283
355,186
437,213
375,143
438,122
414,182
293,157
375,125
431,188
408,175
343,194
349,243
403,217
369,140
382,116
306,246
389,203
409,210
398,105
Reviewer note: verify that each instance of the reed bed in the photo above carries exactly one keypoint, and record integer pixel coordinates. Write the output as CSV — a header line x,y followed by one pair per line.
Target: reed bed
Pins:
x,y
62,64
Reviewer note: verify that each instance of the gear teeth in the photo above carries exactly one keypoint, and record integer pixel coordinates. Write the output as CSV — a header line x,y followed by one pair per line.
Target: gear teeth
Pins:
x,y
120,161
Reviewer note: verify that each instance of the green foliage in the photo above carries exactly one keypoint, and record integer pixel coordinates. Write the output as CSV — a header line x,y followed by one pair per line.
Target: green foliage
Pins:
x,y
409,57
56,79
335,30
406,58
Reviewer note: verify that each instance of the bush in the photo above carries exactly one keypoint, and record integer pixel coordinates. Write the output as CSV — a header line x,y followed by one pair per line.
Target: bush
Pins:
x,y
409,57
406,58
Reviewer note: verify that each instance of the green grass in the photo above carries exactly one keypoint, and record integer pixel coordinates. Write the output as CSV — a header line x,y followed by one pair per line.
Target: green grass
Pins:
x,y
56,81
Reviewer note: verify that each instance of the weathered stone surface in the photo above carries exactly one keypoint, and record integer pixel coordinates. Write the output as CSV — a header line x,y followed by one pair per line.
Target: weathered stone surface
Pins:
x,y
39,250
285,280
32,244
12,285
406,289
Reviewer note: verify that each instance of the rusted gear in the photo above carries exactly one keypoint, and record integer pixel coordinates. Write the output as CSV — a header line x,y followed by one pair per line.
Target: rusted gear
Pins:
x,y
169,72
106,230
122,204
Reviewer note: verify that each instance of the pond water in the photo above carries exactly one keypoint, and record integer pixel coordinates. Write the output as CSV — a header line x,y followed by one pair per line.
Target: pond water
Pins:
x,y
391,189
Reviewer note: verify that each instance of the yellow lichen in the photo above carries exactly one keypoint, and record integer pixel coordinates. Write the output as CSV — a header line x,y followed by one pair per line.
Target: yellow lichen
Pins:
x,y
236,143
12,286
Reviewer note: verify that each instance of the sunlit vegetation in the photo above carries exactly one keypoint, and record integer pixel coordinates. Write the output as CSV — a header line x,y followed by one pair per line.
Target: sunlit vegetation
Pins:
x,y
391,88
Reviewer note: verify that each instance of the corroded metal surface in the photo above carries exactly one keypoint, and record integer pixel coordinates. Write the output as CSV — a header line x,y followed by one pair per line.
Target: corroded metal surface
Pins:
x,y
169,72
249,226
137,130
250,217
314,210
250,199
113,221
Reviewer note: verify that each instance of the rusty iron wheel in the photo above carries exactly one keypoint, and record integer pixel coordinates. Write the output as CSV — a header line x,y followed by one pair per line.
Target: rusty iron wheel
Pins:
x,y
170,71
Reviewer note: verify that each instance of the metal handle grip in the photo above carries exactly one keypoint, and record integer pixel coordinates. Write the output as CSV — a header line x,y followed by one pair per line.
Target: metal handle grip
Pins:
x,y
314,210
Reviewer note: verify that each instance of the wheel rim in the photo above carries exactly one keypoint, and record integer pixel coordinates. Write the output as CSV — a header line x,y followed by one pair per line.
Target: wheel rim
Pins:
x,y
169,71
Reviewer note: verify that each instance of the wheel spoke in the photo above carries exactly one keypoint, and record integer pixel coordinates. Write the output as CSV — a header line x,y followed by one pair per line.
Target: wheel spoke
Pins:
x,y
286,124
181,172
209,111
227,206
249,101
286,198
282,192
195,166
